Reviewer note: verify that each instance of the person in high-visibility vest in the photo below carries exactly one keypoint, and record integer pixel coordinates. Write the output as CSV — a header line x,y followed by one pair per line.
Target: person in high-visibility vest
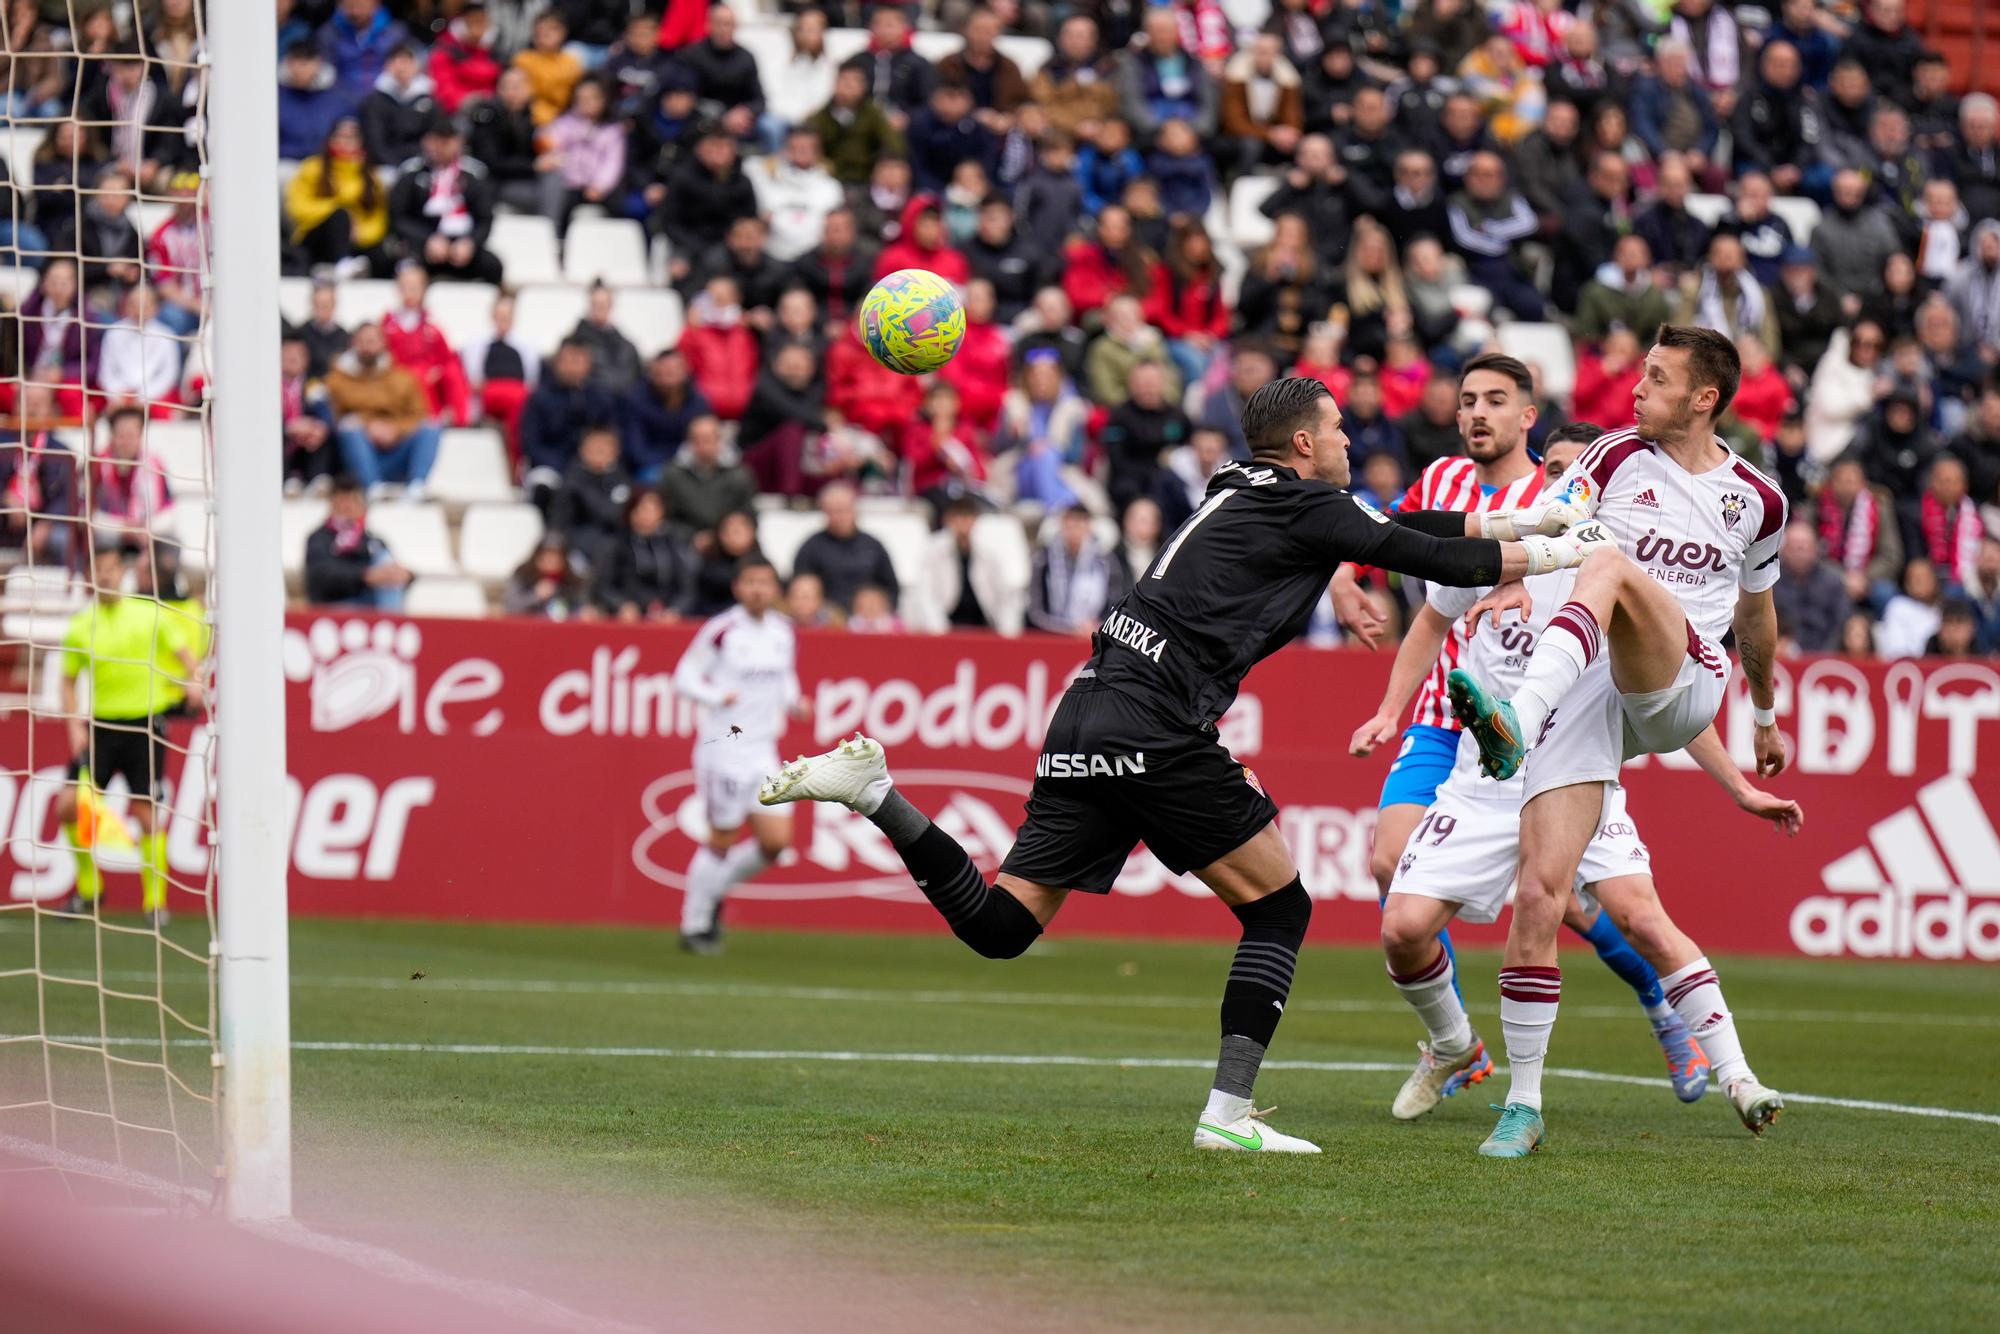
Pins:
x,y
142,668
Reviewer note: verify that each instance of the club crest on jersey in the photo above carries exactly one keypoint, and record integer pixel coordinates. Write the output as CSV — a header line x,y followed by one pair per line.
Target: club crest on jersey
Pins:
x,y
1250,777
1368,509
1733,506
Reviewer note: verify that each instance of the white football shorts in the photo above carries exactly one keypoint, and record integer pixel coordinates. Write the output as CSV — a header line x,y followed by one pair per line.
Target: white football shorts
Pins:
x,y
728,781
1594,729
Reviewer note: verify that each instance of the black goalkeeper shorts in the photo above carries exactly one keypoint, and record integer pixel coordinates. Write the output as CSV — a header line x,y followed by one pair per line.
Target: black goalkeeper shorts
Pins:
x,y
1113,773
134,747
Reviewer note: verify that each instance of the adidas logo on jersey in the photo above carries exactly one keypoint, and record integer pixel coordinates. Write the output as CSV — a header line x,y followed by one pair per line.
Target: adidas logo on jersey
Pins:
x,y
1925,885
1647,498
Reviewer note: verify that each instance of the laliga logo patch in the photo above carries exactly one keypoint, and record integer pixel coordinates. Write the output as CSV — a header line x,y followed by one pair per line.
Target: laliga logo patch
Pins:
x,y
1368,509
1732,509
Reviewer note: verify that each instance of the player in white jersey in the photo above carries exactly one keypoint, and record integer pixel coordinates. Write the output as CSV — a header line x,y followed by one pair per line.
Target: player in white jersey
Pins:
x,y
1462,856
1630,664
743,670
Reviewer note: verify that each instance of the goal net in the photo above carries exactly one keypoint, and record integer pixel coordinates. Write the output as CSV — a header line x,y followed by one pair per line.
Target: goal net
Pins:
x,y
112,1075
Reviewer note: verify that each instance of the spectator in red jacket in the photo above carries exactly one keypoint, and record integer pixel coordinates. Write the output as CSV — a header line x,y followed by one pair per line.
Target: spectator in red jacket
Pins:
x,y
922,244
1186,301
1764,396
1405,371
720,350
420,347
1114,263
1604,380
867,393
944,454
979,371
462,63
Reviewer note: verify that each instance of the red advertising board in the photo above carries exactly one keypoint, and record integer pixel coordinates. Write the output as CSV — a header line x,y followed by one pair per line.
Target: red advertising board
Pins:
x,y
519,771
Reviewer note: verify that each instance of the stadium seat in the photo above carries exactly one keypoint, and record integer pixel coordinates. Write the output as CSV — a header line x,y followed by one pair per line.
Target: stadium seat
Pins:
x,y
769,44
38,602
525,245
649,316
935,46
295,299
1471,301
187,524
471,467
1010,544
445,597
843,44
463,311
180,448
416,534
1800,214
495,538
780,534
18,146
297,521
148,214
908,538
1030,53
1247,227
1546,347
17,284
613,249
363,301
545,315
1711,209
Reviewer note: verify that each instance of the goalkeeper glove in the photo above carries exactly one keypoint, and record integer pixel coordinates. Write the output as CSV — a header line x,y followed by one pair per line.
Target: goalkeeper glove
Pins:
x,y
1550,516
1566,551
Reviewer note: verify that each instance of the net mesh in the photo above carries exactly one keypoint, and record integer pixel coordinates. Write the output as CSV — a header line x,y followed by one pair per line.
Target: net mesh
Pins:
x,y
107,911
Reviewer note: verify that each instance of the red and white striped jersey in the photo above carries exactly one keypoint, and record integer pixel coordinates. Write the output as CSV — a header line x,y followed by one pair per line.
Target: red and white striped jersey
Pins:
x,y
1453,484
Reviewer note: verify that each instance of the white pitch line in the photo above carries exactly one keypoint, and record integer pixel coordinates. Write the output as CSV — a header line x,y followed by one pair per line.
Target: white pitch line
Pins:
x,y
530,986
1006,1059
518,1303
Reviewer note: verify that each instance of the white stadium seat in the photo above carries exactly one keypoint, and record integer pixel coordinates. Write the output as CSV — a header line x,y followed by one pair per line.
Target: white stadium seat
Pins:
x,y
613,249
187,524
1546,347
780,534
297,521
545,315
1471,301
463,312
417,535
445,597
17,284
1800,214
1711,209
1030,53
1249,228
842,43
363,301
493,539
649,316
525,245
18,145
179,447
295,299
471,467
907,536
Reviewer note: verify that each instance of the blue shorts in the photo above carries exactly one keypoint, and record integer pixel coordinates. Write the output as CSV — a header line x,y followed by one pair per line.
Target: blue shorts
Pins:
x,y
1421,766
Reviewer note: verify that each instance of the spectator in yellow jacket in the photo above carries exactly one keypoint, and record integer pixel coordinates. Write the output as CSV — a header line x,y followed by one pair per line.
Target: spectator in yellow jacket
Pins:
x,y
552,70
338,207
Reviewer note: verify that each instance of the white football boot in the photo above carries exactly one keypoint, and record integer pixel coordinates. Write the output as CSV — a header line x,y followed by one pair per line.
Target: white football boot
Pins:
x,y
1757,1105
1438,1077
855,774
1248,1134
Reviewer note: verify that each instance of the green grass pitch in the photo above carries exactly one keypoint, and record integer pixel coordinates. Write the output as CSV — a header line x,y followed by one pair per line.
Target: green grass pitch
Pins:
x,y
604,1060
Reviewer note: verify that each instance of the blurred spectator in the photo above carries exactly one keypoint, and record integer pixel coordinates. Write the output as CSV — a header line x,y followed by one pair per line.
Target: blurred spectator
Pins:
x,y
701,484
1001,256
1893,305
979,370
1678,238
643,571
867,393
838,271
1857,635
177,255
1050,199
659,416
502,138
1179,487
1161,80
1808,308
1078,86
1956,369
1371,289
633,67
945,133
1854,237
1845,386
796,192
402,104
1982,590
1262,111
1763,396
1887,47
583,155
1042,435
841,555
1948,522
1368,148
128,484
139,357
1896,446
704,195
805,596
1974,292
338,208
1551,170
1452,28
719,554
942,451
855,130
1765,235
874,613
1812,32
346,565
421,348
1958,630
969,582
760,280
1979,445
1283,294
1943,229
1251,367
502,370
1404,373
1511,97
1913,615
1975,158
1858,532
614,362
1184,174
442,208
923,245
1488,220
1605,377
898,79
588,509
143,125
1186,301
788,390
1047,324
726,77
721,351
322,334
1316,191
1460,137
1073,581
1139,430
1722,295
58,347
308,419
1810,597
382,419
308,102
1672,112
548,586
551,69
554,418
997,85
1139,534
1127,343
1774,129
1369,431
1430,431
357,43
38,501
806,78
463,66
1844,111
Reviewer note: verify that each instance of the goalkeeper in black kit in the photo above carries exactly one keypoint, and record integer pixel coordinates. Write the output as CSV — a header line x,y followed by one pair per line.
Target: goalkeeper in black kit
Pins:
x,y
1132,753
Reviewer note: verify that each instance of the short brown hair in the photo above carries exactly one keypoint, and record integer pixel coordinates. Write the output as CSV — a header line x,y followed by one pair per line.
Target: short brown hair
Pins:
x,y
1278,410
1712,360
1501,364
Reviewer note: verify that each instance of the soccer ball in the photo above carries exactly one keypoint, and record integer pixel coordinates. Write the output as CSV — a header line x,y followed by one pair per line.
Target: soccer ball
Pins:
x,y
912,321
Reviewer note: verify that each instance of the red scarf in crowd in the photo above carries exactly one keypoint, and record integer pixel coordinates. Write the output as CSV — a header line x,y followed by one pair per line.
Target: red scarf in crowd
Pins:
x,y
1849,538
1951,537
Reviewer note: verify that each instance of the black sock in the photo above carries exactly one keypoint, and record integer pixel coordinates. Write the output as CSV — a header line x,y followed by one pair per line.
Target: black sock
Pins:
x,y
1260,981
992,921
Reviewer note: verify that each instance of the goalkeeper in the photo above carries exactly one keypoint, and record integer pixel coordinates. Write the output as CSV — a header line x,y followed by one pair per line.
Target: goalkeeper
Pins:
x,y
142,669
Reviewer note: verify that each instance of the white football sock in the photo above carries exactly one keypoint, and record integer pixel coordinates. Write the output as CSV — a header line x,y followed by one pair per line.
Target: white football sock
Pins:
x,y
744,860
1224,1107
1430,993
1697,998
1571,642
704,891
1528,999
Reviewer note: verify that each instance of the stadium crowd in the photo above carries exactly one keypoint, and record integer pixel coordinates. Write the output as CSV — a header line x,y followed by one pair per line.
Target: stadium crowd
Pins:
x,y
1178,203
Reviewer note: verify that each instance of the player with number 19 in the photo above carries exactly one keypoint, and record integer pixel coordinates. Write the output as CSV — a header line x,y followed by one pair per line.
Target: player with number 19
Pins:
x,y
1133,753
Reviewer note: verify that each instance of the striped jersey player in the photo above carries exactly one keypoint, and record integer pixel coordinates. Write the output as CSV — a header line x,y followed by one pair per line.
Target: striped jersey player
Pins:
x,y
1631,664
1496,409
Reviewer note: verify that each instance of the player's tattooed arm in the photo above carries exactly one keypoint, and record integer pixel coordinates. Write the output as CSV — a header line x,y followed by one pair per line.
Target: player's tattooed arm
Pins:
x,y
1756,648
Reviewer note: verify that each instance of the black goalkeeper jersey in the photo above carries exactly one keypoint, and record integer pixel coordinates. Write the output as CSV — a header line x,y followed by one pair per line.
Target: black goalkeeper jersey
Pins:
x,y
1239,580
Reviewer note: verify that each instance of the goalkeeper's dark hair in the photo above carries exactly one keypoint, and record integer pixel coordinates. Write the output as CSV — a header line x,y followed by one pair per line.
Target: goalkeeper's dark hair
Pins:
x,y
1501,364
1278,411
1712,360
1575,433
